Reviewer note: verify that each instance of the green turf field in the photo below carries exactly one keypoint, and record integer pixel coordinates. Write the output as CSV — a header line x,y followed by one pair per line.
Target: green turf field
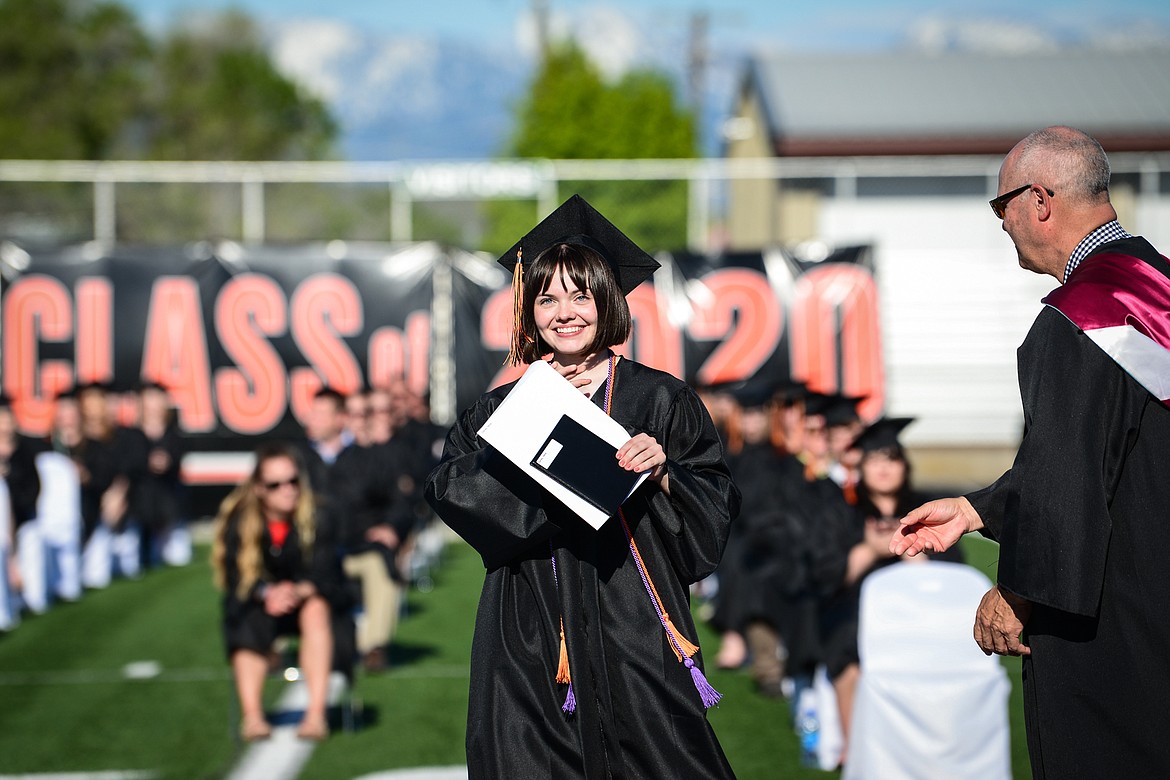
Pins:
x,y
67,706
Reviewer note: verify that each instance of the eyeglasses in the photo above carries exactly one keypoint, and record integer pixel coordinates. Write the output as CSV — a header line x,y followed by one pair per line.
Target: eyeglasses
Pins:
x,y
999,204
271,486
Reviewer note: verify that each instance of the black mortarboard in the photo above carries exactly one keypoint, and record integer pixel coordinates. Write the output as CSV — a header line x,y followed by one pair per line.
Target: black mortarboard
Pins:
x,y
790,391
881,434
753,392
577,222
574,222
837,409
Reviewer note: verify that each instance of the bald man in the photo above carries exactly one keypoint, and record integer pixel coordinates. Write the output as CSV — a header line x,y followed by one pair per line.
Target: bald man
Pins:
x,y
1083,516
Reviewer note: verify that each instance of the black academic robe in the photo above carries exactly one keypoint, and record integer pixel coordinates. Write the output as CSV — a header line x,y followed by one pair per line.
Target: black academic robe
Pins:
x,y
638,713
1082,521
757,470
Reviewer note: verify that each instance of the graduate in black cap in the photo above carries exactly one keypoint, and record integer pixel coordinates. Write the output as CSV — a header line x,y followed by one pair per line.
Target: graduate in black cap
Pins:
x,y
584,662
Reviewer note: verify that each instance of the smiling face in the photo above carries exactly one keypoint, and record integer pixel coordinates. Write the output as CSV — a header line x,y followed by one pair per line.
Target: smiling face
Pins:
x,y
566,319
883,472
278,486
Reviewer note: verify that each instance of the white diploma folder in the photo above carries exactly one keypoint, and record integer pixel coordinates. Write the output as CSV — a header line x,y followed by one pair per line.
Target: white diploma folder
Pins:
x,y
521,430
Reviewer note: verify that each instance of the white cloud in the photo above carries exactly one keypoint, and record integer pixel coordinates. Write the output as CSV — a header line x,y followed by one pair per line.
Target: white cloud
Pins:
x,y
611,39
935,33
311,52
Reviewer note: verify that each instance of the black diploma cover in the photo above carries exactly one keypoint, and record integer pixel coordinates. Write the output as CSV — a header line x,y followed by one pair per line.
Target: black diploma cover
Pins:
x,y
585,463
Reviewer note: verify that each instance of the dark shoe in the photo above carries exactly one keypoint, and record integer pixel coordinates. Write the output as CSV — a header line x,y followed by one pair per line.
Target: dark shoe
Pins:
x,y
772,689
375,660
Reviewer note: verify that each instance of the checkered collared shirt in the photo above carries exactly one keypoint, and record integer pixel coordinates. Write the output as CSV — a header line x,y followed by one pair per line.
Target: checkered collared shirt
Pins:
x,y
1110,231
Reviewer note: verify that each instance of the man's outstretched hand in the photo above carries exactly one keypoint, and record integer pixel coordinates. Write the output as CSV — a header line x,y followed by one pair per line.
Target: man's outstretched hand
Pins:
x,y
935,526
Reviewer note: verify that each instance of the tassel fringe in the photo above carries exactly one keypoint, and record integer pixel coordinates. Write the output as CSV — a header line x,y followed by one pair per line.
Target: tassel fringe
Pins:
x,y
681,645
563,665
570,705
515,353
709,695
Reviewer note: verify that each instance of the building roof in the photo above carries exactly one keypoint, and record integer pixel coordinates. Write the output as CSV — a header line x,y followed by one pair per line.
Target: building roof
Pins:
x,y
912,102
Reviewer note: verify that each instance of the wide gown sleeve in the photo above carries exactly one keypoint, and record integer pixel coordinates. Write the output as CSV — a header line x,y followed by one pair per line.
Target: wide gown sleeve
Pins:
x,y
483,497
1051,511
695,518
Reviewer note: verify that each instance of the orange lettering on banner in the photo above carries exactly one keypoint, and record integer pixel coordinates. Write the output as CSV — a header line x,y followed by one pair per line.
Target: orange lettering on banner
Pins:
x,y
252,398
836,305
175,350
325,307
496,333
387,356
394,355
655,341
36,308
744,314
94,343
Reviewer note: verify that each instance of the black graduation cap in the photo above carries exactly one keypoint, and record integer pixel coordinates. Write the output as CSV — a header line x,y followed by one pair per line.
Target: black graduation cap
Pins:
x,y
882,433
577,222
753,392
790,391
837,409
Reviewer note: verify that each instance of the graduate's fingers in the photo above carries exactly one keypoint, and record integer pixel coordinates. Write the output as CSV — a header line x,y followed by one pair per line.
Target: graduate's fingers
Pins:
x,y
641,453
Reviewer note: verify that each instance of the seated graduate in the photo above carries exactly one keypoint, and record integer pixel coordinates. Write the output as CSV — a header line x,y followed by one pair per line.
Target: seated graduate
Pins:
x,y
279,573
581,664
885,493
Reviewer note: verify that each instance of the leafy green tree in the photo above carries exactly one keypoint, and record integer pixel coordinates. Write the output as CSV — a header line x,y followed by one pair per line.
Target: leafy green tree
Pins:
x,y
72,76
79,79
218,96
570,112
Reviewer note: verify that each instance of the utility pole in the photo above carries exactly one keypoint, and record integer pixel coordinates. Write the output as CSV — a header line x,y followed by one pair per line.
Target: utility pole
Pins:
x,y
698,58
540,16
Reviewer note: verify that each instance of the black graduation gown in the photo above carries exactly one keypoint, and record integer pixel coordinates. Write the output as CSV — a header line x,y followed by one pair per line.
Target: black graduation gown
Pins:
x,y
638,713
1081,518
757,470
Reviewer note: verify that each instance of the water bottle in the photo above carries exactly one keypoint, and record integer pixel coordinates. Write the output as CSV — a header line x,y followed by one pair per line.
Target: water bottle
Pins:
x,y
808,728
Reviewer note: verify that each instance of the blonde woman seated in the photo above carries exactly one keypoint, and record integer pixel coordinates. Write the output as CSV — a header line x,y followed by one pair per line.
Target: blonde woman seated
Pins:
x,y
279,574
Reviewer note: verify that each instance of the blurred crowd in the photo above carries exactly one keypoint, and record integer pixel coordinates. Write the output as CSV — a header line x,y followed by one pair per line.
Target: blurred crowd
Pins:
x,y
320,539
315,545
99,498
822,495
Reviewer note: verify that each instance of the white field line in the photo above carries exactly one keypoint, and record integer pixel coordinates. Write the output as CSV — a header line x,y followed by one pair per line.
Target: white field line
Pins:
x,y
281,756
107,775
105,676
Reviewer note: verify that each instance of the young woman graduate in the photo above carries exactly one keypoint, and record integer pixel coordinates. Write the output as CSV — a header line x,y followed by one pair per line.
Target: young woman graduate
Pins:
x,y
583,663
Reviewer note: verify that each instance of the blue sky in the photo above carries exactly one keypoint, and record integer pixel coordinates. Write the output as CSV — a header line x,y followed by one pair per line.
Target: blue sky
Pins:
x,y
438,79
789,23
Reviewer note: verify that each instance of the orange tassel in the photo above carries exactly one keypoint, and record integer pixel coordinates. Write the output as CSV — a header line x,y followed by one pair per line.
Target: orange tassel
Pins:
x,y
563,664
515,354
687,647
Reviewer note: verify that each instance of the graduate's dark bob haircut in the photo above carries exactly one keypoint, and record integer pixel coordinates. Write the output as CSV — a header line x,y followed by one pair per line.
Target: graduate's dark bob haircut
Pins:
x,y
588,270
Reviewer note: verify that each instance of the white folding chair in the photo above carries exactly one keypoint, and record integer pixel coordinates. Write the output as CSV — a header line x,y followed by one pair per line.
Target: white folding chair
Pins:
x,y
59,515
929,703
9,607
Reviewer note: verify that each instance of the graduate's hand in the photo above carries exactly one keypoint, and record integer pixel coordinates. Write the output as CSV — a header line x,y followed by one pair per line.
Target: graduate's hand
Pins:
x,y
574,373
1000,620
280,599
935,526
644,453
